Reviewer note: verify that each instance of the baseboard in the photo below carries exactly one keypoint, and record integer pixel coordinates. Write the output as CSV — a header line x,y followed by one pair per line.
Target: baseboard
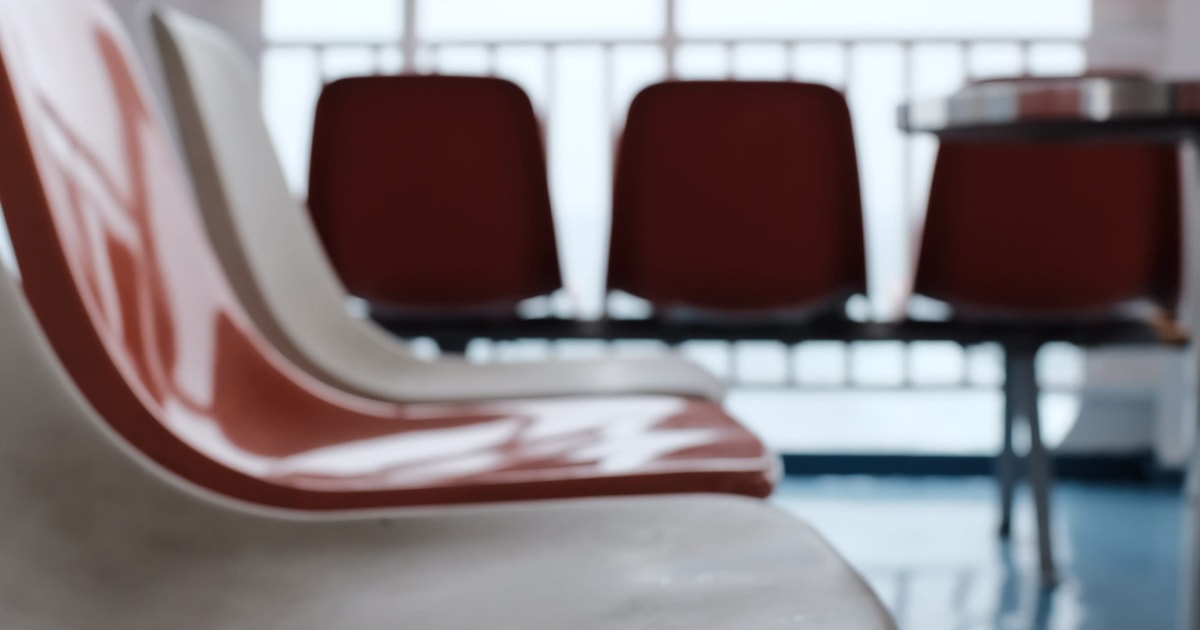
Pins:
x,y
1132,468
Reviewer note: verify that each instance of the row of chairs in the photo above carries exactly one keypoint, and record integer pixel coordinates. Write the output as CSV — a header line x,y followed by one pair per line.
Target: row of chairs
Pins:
x,y
731,199
736,214
166,465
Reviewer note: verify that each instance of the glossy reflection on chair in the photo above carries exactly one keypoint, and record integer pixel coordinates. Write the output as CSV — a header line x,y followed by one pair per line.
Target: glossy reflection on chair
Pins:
x,y
117,267
140,369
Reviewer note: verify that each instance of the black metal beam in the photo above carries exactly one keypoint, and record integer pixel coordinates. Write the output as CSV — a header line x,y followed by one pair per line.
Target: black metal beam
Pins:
x,y
456,332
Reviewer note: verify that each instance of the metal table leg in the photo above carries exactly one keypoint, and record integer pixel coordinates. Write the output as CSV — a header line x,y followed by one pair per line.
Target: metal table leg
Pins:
x,y
1191,315
1006,463
1191,528
1022,391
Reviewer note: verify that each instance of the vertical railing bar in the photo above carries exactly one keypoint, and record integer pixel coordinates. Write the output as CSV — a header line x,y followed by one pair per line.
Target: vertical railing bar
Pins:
x,y
908,362
848,48
791,364
608,89
908,90
411,35
612,124
907,210
967,379
608,93
732,362
849,379
491,53
670,39
965,48
1025,52
320,62
378,56
550,52
790,50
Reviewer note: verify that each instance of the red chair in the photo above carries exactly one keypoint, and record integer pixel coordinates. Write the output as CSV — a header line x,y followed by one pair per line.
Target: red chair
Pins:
x,y
1025,235
1052,230
430,194
738,198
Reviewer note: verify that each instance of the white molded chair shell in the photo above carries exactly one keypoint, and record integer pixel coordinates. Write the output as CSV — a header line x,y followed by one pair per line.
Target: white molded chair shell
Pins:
x,y
93,536
273,256
101,527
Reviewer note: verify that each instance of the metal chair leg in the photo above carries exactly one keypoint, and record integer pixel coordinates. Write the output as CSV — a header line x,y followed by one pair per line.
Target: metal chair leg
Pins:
x,y
454,345
1191,578
1006,463
1022,374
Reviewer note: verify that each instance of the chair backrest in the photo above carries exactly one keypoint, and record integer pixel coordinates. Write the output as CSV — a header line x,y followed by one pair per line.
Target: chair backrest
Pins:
x,y
118,270
271,252
737,196
430,192
1052,228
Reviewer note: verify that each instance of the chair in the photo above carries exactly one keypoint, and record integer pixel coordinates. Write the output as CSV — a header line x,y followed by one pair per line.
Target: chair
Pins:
x,y
116,265
1026,236
738,199
157,455
448,216
96,536
273,256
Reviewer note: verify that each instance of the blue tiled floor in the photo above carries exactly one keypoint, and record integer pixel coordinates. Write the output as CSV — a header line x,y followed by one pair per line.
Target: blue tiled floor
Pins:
x,y
930,550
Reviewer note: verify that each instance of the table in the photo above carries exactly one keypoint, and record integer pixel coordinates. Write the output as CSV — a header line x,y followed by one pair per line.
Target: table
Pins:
x,y
1088,108
1085,107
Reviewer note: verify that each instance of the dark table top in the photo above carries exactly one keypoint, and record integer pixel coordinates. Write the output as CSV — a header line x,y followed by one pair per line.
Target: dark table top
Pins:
x,y
1140,107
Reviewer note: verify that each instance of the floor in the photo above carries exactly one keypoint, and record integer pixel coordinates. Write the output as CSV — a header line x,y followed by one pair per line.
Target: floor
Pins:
x,y
928,547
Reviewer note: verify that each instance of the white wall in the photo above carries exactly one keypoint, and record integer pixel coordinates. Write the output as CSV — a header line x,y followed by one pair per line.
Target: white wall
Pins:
x,y
1129,34
1183,53
1159,37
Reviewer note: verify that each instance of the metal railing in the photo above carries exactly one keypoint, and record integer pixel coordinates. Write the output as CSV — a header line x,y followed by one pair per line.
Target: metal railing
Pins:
x,y
893,188
425,57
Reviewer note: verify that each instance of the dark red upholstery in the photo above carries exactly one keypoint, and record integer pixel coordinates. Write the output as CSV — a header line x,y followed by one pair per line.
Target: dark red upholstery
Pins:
x,y
431,192
737,196
1052,228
